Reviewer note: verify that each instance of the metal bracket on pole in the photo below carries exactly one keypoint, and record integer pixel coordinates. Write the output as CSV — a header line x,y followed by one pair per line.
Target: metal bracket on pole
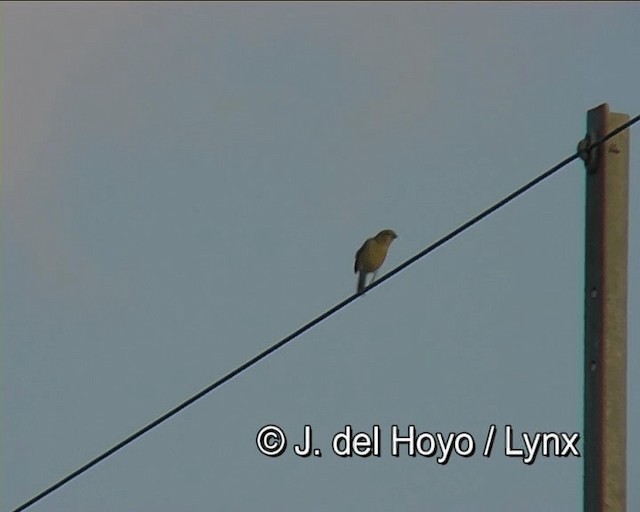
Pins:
x,y
605,299
589,157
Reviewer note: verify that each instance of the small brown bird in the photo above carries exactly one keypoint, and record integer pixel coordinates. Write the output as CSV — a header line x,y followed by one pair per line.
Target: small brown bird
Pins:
x,y
371,255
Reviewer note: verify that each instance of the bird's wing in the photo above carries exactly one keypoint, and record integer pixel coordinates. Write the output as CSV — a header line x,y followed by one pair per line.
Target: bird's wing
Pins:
x,y
355,265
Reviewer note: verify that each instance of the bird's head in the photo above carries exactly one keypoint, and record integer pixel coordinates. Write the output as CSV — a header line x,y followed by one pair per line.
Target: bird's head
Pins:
x,y
386,236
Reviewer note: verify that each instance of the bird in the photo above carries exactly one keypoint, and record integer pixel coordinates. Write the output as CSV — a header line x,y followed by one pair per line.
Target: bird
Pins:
x,y
371,255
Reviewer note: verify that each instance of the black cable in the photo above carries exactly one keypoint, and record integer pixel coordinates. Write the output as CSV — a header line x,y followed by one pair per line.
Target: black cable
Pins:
x,y
324,315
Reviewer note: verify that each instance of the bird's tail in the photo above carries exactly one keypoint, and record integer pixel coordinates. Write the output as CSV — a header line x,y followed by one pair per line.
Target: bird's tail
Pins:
x,y
362,277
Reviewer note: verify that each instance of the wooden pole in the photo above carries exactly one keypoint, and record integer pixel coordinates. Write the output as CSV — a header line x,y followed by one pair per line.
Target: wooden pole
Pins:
x,y
605,370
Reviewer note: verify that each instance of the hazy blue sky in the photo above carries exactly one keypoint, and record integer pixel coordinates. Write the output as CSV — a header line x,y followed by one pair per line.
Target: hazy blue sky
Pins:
x,y
185,184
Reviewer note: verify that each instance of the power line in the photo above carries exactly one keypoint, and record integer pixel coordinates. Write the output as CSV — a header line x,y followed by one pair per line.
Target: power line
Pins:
x,y
326,314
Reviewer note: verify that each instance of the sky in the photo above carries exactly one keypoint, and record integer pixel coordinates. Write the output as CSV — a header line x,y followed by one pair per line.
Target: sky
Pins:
x,y
184,184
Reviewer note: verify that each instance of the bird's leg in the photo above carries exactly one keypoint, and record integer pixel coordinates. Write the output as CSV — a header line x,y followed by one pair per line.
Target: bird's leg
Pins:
x,y
375,273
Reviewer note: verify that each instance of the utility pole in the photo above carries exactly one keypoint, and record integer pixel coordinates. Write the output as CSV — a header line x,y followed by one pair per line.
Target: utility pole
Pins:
x,y
605,338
